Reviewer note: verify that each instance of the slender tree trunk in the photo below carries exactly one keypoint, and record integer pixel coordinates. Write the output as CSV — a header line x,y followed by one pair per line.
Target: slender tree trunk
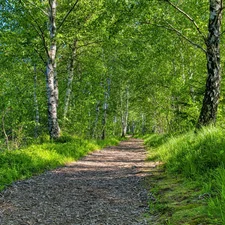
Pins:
x,y
52,84
3,129
122,116
105,108
70,79
96,120
125,115
104,120
143,129
114,125
212,90
37,117
133,128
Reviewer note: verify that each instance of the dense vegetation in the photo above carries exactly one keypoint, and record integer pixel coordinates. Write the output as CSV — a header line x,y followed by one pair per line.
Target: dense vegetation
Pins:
x,y
35,159
117,65
101,69
200,159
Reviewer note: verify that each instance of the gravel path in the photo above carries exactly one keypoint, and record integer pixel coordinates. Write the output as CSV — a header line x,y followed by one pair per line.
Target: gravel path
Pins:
x,y
105,187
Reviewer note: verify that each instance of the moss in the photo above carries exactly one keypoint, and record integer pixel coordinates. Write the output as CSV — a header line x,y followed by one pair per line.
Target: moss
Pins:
x,y
197,160
174,200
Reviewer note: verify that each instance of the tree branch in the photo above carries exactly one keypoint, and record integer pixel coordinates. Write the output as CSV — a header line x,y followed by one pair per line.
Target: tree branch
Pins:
x,y
186,38
90,43
38,28
171,28
42,59
189,18
33,4
68,13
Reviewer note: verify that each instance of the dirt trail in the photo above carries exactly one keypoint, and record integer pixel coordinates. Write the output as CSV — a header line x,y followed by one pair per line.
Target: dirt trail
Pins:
x,y
104,187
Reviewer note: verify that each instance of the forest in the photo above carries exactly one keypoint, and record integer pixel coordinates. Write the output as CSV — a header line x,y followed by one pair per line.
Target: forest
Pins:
x,y
90,72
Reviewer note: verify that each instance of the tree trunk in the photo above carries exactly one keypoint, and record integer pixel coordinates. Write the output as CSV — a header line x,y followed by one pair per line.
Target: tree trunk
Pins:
x,y
94,134
52,84
3,129
143,128
125,115
37,117
105,108
104,120
212,90
70,79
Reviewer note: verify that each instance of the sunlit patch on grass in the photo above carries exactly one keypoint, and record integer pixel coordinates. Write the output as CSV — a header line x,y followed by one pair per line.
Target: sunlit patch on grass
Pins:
x,y
199,159
35,159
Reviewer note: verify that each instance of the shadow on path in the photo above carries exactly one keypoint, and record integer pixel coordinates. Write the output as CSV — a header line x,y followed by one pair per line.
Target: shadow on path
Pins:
x,y
104,187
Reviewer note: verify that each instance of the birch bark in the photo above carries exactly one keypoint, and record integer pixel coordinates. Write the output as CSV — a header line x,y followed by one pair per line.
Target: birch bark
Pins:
x,y
94,134
104,120
51,76
125,114
105,108
212,90
37,117
70,79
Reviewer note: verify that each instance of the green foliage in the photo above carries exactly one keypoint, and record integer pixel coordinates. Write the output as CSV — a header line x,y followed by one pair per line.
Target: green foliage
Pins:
x,y
35,159
176,201
199,156
192,153
217,202
155,140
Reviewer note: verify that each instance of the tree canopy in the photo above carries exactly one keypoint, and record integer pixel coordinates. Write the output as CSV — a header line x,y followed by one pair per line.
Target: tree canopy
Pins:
x,y
110,67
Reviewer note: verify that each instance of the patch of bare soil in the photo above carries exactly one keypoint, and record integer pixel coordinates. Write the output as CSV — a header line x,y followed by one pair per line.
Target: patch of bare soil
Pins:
x,y
105,187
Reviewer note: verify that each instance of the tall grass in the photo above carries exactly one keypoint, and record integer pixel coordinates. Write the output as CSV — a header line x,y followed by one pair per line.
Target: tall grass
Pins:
x,y
217,201
35,159
199,156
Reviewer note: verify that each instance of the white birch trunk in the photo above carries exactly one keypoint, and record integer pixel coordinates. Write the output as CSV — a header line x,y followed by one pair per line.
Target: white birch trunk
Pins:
x,y
3,129
125,114
104,119
96,120
105,108
70,79
37,117
143,124
122,115
52,84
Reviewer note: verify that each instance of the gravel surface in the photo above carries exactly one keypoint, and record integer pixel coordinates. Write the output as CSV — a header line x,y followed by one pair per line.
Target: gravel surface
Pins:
x,y
105,187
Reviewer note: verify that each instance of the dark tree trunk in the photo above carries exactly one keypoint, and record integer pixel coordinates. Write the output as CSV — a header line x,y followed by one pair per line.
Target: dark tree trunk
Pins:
x,y
212,91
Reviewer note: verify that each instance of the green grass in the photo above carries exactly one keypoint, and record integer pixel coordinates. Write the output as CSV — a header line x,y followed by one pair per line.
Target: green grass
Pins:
x,y
176,201
199,158
35,159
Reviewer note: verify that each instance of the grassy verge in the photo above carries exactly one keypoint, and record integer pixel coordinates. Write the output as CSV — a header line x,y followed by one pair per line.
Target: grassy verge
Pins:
x,y
191,190
35,159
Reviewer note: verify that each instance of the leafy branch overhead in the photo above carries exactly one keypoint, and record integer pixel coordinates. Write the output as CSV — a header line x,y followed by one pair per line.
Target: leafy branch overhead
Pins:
x,y
89,54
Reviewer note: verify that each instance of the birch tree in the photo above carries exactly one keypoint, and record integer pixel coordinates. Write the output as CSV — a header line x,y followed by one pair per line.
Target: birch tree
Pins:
x,y
70,78
51,75
124,111
212,90
36,107
212,51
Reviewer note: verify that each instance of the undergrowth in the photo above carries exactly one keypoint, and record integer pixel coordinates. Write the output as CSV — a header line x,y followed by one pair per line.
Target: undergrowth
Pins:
x,y
200,159
35,159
